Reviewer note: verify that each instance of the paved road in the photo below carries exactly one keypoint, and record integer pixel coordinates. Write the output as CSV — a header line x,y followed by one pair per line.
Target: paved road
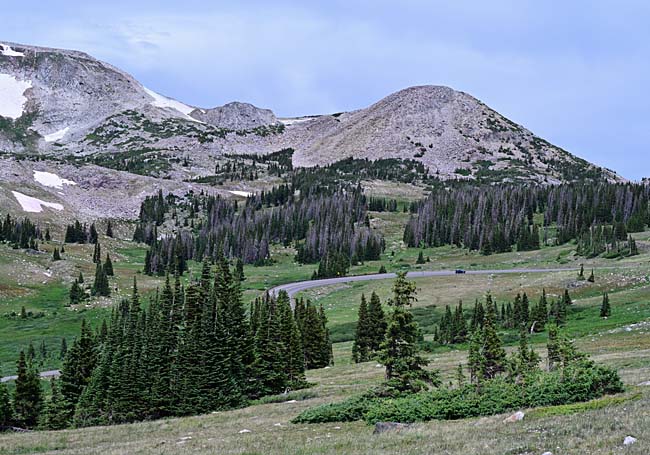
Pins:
x,y
44,374
293,288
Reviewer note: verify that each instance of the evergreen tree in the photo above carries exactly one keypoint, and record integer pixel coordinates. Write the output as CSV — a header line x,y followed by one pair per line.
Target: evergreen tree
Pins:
x,y
81,278
239,270
28,396
420,259
100,285
382,269
55,411
108,266
97,253
109,229
6,409
56,256
64,348
376,324
361,345
581,274
492,353
591,278
404,365
605,308
553,348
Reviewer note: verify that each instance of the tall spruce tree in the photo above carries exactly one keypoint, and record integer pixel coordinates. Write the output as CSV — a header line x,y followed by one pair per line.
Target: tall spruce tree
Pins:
x,y
376,323
404,365
6,408
493,355
605,307
108,266
28,396
362,337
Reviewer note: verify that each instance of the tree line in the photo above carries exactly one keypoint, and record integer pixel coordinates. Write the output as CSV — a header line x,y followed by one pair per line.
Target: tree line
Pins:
x,y
493,219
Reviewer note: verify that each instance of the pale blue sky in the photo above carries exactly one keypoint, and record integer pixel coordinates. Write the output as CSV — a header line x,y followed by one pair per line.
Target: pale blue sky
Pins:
x,y
574,72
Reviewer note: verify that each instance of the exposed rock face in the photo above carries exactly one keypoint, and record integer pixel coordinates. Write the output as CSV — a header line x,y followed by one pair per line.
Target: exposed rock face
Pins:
x,y
516,417
236,116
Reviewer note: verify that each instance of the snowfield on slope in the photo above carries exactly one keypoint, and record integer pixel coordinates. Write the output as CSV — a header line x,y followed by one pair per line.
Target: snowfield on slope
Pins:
x,y
240,193
9,52
34,205
51,180
164,102
56,135
12,96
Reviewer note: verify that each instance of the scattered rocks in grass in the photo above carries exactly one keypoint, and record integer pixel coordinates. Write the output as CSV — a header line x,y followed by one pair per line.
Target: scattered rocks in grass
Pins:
x,y
183,440
382,427
547,453
645,383
244,431
516,417
629,440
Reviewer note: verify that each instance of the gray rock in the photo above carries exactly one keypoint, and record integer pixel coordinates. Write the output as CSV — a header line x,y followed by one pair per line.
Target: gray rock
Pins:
x,y
516,417
383,427
629,440
236,116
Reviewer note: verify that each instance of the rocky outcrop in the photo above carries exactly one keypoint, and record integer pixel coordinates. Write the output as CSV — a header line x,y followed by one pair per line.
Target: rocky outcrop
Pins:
x,y
236,116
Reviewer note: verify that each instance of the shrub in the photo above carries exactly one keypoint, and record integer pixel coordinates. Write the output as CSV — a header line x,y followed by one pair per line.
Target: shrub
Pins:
x,y
580,382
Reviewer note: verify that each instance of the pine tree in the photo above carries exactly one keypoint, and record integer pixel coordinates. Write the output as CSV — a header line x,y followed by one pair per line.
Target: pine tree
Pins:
x,y
239,270
48,237
581,274
420,259
591,278
100,285
377,324
64,349
81,278
6,409
55,412
492,353
553,348
28,396
108,266
605,308
382,269
404,366
109,229
474,355
56,256
97,253
361,345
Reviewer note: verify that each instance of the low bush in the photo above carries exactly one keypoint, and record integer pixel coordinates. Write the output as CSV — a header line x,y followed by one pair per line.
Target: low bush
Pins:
x,y
578,382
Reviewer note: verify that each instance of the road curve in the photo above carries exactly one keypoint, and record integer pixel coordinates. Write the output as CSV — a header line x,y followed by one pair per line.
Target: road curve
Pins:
x,y
299,286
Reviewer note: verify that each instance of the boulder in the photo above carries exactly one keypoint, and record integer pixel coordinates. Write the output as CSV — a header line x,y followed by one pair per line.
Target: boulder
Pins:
x,y
382,427
516,417
629,440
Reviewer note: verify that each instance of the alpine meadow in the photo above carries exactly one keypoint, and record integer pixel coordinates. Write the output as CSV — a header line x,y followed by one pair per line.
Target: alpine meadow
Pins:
x,y
421,275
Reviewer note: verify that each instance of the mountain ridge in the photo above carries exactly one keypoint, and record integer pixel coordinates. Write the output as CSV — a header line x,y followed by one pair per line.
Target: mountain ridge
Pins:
x,y
78,105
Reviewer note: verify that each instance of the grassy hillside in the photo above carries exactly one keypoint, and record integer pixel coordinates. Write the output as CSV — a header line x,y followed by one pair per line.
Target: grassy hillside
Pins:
x,y
621,341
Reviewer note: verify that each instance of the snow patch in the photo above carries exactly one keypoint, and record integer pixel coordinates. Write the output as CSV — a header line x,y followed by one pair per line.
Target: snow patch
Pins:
x,y
164,102
9,52
240,193
34,205
51,180
56,135
12,98
292,121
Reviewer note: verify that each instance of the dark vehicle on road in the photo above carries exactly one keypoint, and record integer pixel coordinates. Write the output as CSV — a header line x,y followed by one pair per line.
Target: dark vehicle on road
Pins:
x,y
459,271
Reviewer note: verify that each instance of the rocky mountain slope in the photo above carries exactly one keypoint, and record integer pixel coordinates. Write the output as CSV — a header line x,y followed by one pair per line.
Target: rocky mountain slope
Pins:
x,y
67,104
